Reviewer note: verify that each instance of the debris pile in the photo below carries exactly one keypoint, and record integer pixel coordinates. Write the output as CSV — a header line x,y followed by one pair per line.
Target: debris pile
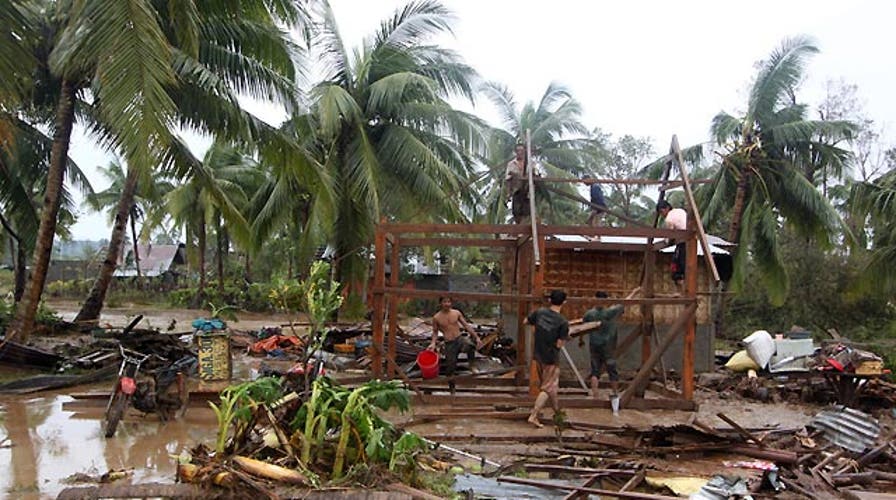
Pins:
x,y
273,437
839,449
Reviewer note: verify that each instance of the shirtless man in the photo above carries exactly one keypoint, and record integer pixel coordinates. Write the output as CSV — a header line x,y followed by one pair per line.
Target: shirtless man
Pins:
x,y
449,320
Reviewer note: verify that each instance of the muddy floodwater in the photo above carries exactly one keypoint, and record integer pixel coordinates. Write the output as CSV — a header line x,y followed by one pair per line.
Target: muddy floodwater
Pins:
x,y
43,447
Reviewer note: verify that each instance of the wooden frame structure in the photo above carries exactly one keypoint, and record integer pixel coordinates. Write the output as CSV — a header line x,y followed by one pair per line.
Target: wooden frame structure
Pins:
x,y
523,286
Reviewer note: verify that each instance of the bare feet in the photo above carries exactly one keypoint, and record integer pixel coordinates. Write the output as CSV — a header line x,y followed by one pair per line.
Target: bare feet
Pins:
x,y
533,419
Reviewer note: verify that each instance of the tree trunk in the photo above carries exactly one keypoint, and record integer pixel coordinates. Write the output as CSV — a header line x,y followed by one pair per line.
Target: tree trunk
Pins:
x,y
93,305
737,211
219,233
248,276
200,290
21,274
23,324
133,218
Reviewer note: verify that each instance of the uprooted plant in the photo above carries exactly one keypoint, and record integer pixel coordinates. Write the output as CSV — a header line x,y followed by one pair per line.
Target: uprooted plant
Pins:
x,y
337,434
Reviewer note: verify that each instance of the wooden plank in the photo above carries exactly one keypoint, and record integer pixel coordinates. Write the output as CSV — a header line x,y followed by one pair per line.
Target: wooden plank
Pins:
x,y
529,298
533,213
690,333
641,379
564,487
545,230
695,210
597,245
394,268
636,182
379,280
565,402
456,242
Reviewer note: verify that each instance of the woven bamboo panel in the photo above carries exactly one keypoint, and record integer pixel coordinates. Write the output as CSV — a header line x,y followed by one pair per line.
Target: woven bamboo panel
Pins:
x,y
583,272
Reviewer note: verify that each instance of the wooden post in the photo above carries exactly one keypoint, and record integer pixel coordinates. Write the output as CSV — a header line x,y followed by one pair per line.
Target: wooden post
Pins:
x,y
698,223
533,215
379,283
647,291
690,334
394,268
640,381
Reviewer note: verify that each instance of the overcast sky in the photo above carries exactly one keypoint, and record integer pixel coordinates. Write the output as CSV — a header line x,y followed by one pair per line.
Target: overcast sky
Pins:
x,y
645,68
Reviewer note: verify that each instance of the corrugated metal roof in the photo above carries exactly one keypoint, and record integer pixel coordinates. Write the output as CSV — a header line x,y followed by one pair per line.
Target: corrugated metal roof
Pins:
x,y
715,243
154,259
848,428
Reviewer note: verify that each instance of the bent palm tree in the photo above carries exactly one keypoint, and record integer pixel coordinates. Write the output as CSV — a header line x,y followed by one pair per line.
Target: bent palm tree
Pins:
x,y
120,51
558,137
218,50
760,180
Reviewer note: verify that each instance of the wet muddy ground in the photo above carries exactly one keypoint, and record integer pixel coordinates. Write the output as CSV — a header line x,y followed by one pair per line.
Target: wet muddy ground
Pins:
x,y
43,445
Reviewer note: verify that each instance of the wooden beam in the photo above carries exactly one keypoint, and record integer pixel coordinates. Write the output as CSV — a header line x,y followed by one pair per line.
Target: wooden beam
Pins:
x,y
523,400
456,242
690,334
628,341
597,245
533,214
514,229
527,297
638,182
605,209
689,196
643,377
394,265
379,280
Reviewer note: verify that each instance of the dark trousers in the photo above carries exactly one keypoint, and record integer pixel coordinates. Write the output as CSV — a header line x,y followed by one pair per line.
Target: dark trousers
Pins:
x,y
453,348
602,356
678,259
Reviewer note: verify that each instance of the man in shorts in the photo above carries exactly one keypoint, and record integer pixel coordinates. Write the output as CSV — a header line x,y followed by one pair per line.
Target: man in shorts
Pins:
x,y
602,343
515,176
449,321
551,332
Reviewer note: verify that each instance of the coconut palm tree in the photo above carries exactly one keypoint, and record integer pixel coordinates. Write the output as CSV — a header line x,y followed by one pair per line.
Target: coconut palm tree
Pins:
x,y
877,199
760,182
385,133
118,52
558,137
23,169
216,189
219,51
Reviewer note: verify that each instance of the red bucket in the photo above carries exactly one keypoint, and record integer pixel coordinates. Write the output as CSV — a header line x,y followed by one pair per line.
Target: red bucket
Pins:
x,y
428,361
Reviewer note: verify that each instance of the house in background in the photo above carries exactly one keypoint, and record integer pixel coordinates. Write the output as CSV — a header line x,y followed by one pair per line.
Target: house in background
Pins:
x,y
155,261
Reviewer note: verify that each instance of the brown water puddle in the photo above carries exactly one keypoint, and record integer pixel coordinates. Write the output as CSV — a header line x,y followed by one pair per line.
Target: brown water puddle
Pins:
x,y
46,445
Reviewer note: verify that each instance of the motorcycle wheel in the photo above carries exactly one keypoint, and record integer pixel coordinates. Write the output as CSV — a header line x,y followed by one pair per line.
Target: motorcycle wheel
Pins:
x,y
116,410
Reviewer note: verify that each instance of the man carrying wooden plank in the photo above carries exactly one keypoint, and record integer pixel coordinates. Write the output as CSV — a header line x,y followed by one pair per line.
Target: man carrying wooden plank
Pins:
x,y
602,342
551,332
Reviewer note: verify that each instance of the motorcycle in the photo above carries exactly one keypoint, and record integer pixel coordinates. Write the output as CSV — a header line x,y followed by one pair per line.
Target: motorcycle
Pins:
x,y
162,391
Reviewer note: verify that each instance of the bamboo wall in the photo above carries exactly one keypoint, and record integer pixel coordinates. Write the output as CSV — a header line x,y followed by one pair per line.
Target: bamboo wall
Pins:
x,y
583,272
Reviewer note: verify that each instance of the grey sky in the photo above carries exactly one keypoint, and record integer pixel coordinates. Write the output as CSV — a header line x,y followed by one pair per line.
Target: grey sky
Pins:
x,y
645,68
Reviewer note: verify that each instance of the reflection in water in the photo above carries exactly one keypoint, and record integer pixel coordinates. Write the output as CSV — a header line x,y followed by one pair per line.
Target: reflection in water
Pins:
x,y
50,445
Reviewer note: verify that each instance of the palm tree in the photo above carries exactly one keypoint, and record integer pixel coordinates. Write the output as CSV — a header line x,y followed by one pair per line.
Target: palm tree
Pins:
x,y
218,51
215,190
119,52
385,133
23,169
558,137
760,181
877,199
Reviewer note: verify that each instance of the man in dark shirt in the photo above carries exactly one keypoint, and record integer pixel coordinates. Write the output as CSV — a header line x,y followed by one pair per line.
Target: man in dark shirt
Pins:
x,y
602,342
551,331
597,198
